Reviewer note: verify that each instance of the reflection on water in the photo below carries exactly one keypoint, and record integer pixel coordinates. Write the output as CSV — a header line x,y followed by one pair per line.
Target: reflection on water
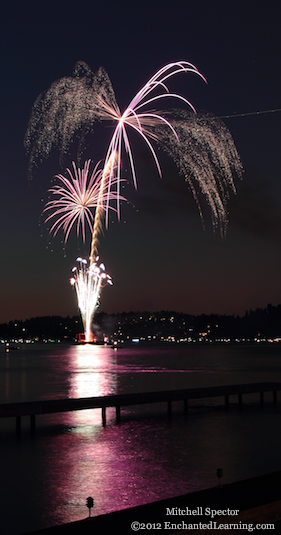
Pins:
x,y
144,458
91,374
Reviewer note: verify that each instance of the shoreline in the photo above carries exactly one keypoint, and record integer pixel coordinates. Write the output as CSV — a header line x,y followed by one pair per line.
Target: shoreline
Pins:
x,y
255,500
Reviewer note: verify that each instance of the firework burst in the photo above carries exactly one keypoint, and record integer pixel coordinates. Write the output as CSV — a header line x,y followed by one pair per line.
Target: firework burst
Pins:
x,y
88,281
75,198
71,105
144,122
201,146
210,167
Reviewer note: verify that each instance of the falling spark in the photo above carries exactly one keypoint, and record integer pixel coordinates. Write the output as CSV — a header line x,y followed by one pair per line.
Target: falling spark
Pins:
x,y
206,156
200,145
73,104
70,105
145,122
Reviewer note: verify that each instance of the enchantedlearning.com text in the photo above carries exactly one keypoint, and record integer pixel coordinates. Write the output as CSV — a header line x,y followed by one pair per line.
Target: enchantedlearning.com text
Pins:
x,y
211,525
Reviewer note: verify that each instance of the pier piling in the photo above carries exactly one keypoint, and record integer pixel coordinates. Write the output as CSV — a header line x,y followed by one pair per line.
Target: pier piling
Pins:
x,y
50,406
103,415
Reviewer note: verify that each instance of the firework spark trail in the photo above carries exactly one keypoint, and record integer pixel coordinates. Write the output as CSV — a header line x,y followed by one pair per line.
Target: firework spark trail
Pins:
x,y
104,194
211,164
76,196
72,104
88,282
78,101
73,202
201,147
145,123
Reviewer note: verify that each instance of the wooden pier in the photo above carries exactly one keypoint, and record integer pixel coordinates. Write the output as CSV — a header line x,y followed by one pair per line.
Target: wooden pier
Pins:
x,y
34,408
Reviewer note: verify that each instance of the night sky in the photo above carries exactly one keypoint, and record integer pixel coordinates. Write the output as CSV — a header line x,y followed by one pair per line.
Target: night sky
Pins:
x,y
158,255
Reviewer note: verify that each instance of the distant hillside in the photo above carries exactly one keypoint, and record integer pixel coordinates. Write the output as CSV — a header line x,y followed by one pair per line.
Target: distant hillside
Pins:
x,y
262,324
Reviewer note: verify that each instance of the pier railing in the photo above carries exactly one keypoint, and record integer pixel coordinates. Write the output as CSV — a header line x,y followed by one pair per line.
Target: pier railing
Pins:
x,y
33,408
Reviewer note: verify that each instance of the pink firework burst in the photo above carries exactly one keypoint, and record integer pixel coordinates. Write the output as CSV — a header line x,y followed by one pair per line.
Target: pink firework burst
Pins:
x,y
143,122
76,197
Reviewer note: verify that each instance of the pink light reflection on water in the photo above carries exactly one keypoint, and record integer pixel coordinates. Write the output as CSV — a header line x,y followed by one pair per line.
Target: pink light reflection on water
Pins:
x,y
144,458
92,376
116,465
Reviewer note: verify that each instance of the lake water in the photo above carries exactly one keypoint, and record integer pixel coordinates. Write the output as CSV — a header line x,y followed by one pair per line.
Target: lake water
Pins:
x,y
46,478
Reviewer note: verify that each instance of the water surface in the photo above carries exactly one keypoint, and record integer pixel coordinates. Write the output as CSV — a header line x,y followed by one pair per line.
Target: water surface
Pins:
x,y
147,456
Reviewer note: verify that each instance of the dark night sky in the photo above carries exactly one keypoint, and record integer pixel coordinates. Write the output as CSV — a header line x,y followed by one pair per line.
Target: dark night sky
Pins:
x,y
158,255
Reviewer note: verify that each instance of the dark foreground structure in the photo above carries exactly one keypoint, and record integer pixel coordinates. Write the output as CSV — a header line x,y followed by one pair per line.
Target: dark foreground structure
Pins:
x,y
33,408
253,504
